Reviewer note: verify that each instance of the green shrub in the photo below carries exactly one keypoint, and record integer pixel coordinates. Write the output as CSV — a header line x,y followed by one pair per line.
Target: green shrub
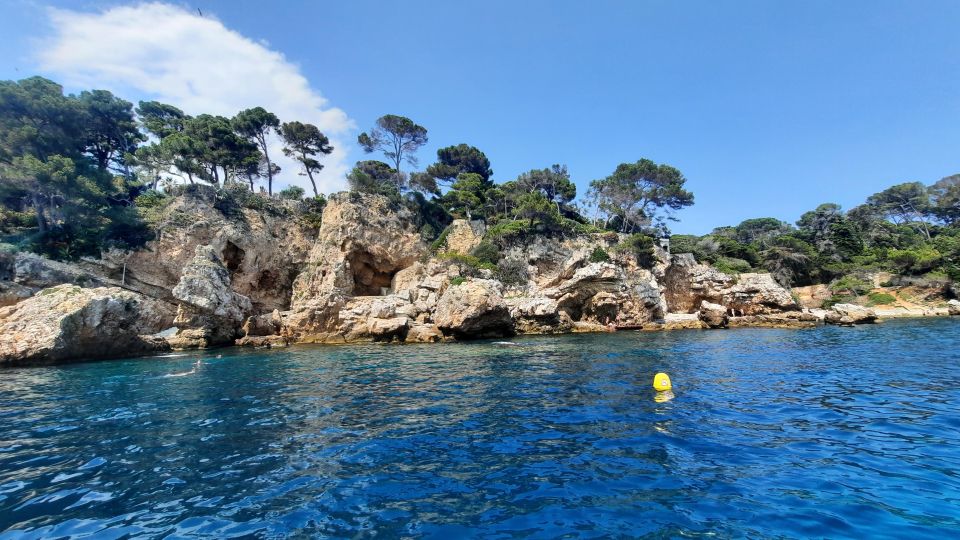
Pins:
x,y
151,199
512,272
639,246
880,298
311,210
915,261
599,255
838,299
850,285
457,280
291,193
732,266
441,240
508,229
486,252
468,263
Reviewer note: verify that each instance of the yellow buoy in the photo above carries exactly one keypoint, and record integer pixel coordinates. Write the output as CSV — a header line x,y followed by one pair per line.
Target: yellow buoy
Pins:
x,y
661,382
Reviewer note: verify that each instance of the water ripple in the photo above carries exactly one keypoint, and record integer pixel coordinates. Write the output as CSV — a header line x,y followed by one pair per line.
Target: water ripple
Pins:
x,y
825,433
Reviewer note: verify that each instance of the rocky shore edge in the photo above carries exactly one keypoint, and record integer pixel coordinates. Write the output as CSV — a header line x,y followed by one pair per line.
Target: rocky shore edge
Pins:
x,y
365,275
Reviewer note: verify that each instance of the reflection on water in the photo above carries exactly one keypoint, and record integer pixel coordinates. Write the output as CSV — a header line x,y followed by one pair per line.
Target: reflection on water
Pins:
x,y
828,432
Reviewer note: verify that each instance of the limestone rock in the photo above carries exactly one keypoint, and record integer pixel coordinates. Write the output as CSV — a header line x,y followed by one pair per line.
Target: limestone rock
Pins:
x,y
473,309
850,314
953,307
537,315
68,322
682,321
464,235
266,342
424,333
263,325
363,243
11,293
205,285
713,315
755,294
263,250
687,283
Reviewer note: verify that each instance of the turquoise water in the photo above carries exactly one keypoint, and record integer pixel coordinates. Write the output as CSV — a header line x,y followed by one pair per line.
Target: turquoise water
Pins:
x,y
830,432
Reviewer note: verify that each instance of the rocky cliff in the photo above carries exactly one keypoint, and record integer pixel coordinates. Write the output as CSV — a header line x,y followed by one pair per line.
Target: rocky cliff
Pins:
x,y
265,278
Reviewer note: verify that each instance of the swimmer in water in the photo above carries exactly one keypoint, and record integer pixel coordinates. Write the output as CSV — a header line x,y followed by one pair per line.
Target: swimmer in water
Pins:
x,y
196,367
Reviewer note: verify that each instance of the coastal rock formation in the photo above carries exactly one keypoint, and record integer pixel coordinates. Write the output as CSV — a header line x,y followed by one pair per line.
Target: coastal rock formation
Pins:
x,y
473,309
263,251
757,294
464,235
850,314
205,286
953,307
69,322
363,243
687,283
713,315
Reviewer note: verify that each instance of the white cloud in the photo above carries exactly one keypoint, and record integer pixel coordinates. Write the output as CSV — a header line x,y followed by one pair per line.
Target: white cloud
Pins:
x,y
196,63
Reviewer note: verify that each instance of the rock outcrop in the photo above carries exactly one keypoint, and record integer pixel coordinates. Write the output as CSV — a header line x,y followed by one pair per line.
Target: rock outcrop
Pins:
x,y
205,286
68,322
849,315
473,309
713,315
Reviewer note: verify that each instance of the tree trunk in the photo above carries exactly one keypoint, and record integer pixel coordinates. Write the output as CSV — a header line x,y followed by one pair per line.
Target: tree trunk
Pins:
x,y
314,184
266,156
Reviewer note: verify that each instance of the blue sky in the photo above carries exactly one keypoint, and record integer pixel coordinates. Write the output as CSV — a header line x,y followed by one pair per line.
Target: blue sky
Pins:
x,y
769,108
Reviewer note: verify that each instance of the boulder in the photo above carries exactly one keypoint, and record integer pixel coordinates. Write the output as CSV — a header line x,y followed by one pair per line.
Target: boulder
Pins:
x,y
68,322
713,315
537,315
953,307
849,315
205,286
757,294
11,293
687,283
424,333
474,309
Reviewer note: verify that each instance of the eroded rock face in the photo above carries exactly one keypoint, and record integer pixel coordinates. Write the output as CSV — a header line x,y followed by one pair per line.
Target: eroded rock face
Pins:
x,y
953,307
713,315
69,322
465,235
205,286
262,251
537,315
474,309
687,283
361,246
757,294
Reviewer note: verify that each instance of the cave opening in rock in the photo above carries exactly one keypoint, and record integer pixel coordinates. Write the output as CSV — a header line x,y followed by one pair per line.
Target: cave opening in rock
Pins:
x,y
369,278
232,256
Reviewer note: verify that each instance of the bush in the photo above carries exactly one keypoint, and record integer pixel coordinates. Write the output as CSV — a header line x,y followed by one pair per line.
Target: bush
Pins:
x,y
915,261
311,210
512,272
640,246
599,255
732,266
457,280
291,193
880,299
441,240
486,252
467,263
850,285
508,229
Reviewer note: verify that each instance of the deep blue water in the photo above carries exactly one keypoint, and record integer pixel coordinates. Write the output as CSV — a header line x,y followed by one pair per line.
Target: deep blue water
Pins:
x,y
830,432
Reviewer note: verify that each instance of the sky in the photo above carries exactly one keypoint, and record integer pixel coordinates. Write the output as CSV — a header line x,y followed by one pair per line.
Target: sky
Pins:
x,y
769,108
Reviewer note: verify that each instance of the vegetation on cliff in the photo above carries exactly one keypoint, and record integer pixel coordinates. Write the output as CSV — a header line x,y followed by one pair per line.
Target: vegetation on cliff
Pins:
x,y
81,173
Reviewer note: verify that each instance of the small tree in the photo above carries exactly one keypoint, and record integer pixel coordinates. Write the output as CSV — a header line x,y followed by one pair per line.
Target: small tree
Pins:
x,y
374,176
635,192
398,137
453,161
291,193
304,143
255,126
